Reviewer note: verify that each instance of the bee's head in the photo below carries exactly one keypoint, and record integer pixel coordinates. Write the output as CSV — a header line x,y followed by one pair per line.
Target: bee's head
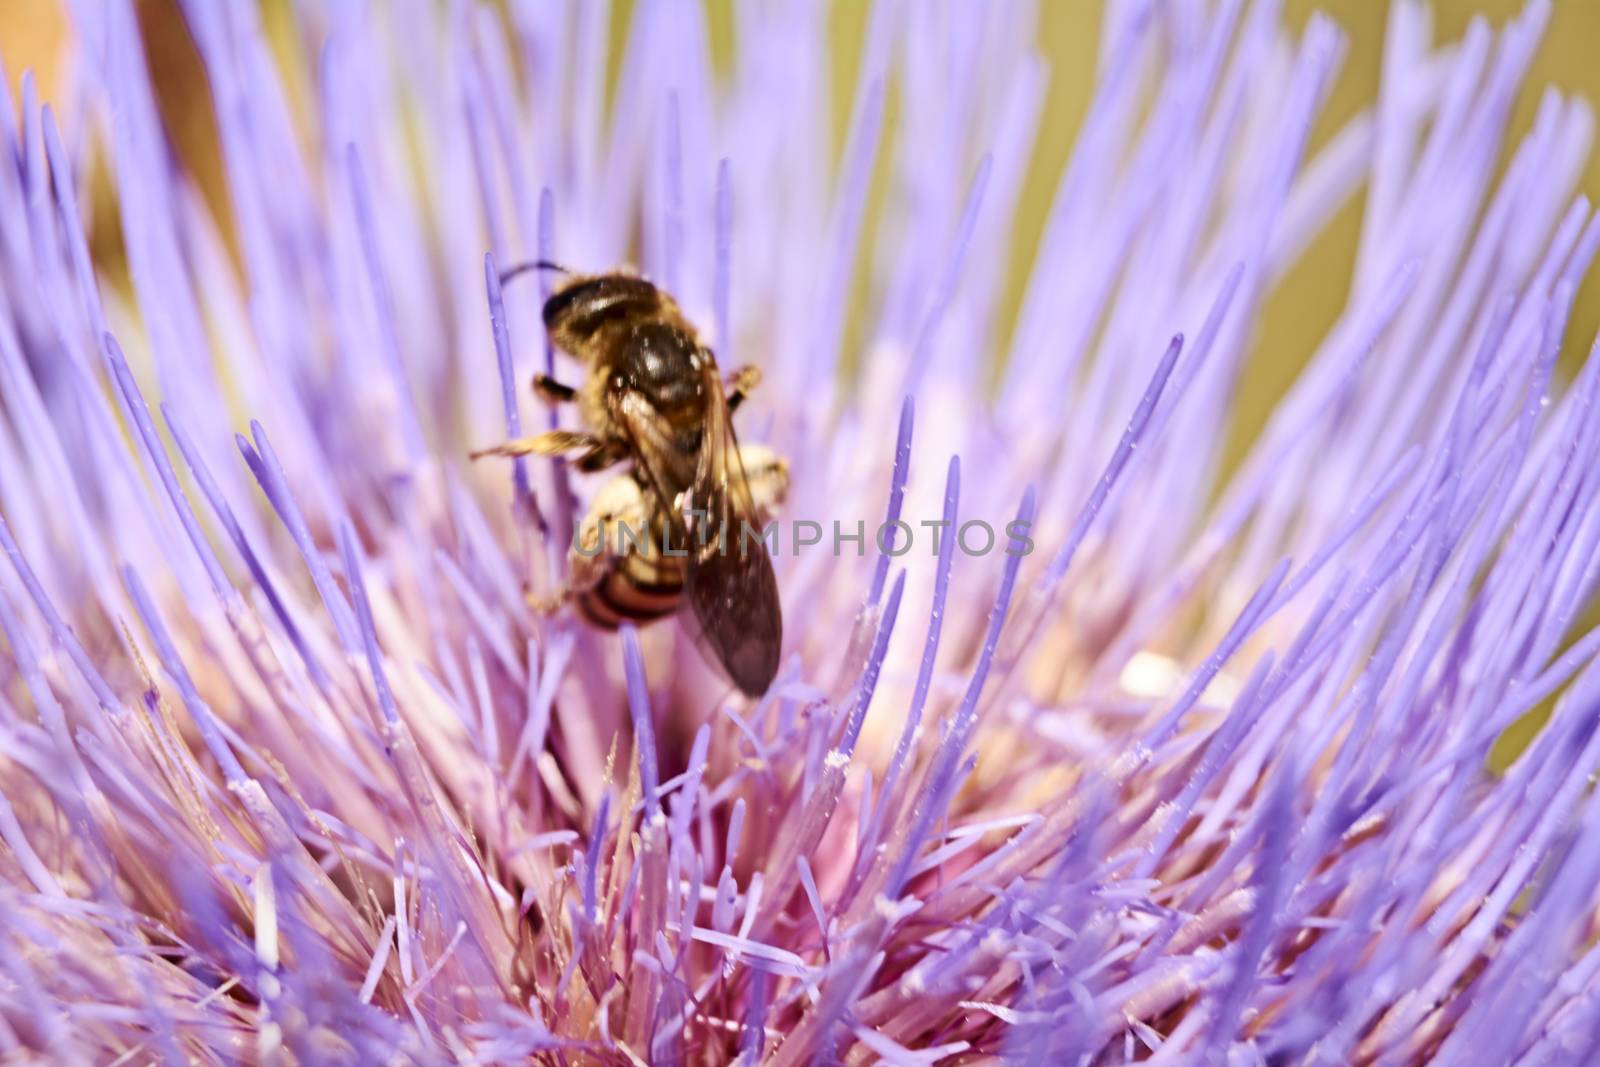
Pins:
x,y
587,304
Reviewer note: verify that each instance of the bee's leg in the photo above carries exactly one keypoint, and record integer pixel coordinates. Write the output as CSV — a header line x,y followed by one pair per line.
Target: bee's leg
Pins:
x,y
551,391
550,443
600,456
584,568
546,605
741,383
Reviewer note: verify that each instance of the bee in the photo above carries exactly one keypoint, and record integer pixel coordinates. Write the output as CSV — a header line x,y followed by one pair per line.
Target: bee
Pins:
x,y
653,396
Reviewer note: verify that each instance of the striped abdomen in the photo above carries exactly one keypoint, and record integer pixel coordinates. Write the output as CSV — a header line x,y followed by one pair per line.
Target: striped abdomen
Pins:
x,y
636,588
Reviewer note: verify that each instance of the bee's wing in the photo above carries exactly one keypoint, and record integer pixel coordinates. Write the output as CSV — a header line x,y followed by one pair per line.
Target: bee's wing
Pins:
x,y
732,590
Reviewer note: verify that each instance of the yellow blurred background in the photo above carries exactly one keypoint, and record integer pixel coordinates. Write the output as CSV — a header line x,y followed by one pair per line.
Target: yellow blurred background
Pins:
x,y
35,34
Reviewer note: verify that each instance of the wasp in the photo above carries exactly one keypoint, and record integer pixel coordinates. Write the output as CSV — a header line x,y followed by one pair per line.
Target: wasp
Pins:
x,y
653,396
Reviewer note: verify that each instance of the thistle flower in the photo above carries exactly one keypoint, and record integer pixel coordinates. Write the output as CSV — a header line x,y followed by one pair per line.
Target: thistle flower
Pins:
x,y
289,771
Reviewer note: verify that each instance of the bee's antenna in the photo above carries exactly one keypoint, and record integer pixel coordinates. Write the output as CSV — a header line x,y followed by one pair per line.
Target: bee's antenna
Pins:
x,y
523,268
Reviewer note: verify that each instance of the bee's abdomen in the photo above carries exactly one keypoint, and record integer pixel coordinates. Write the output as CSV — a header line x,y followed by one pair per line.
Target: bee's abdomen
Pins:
x,y
638,589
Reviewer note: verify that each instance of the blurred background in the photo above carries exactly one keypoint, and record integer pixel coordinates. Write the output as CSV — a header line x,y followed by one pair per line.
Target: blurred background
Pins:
x,y
37,34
